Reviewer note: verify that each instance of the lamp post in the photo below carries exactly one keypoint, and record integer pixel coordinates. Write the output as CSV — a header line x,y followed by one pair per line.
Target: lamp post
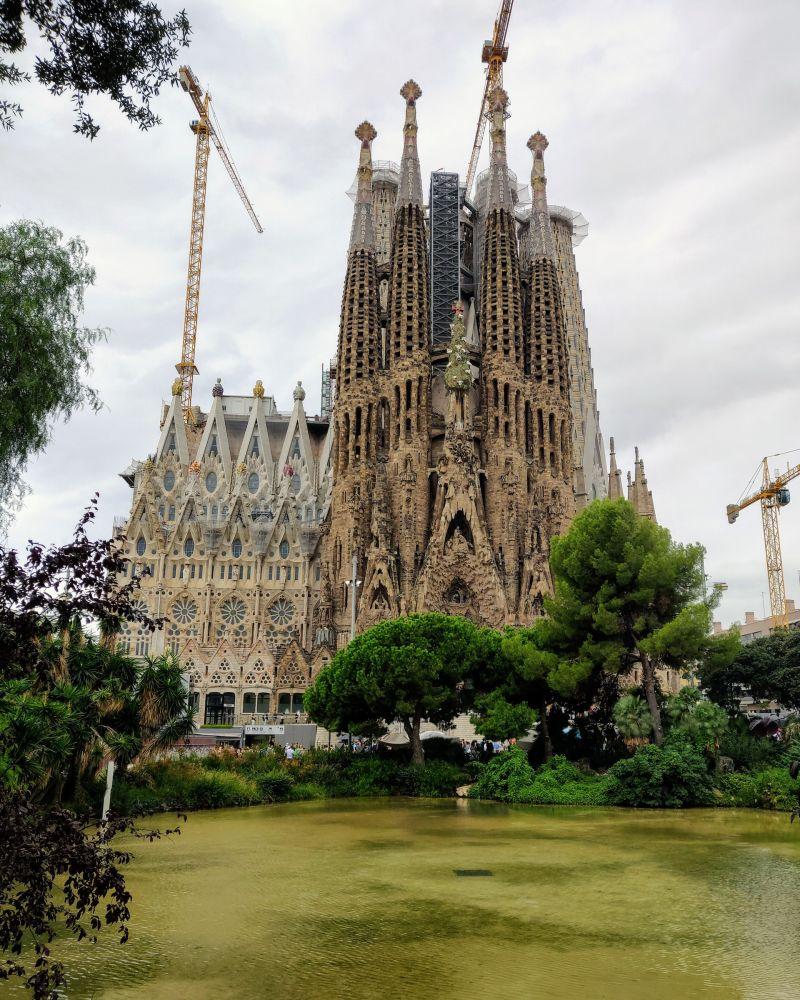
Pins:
x,y
353,583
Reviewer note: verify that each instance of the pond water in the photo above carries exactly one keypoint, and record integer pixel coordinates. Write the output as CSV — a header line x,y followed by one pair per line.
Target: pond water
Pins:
x,y
361,900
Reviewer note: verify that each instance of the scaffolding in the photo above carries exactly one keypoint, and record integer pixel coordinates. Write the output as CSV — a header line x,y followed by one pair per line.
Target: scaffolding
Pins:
x,y
326,397
445,253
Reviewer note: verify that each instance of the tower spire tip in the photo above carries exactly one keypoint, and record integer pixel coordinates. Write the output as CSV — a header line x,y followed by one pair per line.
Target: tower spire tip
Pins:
x,y
366,132
538,142
410,91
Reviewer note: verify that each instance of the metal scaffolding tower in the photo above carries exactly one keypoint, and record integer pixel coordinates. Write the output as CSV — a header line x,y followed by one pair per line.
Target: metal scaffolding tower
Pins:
x,y
445,253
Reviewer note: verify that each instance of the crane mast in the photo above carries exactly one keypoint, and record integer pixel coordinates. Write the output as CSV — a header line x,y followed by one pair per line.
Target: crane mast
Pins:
x,y
773,495
206,134
494,54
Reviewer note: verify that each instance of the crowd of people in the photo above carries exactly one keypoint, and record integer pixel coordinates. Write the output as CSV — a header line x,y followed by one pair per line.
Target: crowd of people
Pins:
x,y
484,749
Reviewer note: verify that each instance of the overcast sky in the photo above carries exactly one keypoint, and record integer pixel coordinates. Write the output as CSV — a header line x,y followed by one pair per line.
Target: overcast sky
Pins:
x,y
673,126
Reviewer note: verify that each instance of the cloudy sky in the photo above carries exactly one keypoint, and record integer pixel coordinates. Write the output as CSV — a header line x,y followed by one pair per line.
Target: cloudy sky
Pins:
x,y
673,126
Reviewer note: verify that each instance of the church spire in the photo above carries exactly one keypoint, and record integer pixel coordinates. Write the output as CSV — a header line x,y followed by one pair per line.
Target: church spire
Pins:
x,y
540,235
614,475
410,190
499,191
359,323
362,235
501,285
546,341
408,305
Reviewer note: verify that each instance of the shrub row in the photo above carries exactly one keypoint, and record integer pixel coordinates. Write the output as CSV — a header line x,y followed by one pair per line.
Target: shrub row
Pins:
x,y
673,776
676,775
227,778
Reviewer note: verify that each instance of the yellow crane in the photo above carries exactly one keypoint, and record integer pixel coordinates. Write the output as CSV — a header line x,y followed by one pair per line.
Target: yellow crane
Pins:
x,y
494,54
207,131
774,494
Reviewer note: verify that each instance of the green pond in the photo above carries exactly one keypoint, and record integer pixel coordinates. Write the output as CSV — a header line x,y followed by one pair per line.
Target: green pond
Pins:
x,y
361,899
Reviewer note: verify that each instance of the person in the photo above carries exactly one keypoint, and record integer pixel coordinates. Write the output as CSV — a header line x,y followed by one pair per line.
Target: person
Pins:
x,y
289,751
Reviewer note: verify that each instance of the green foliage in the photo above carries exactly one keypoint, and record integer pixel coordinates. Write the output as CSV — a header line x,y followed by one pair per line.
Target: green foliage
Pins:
x,y
123,49
410,669
307,791
559,782
768,668
771,788
703,722
44,351
273,786
748,752
625,593
632,717
504,777
508,777
671,776
499,719
53,735
178,785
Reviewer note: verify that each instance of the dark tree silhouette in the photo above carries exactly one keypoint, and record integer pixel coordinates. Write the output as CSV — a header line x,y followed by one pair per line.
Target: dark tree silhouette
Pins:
x,y
124,49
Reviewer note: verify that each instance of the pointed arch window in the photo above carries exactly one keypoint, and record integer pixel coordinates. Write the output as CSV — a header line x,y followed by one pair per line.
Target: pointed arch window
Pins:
x,y
211,482
296,483
169,480
236,548
284,549
253,482
212,445
254,446
141,545
294,451
171,442
188,547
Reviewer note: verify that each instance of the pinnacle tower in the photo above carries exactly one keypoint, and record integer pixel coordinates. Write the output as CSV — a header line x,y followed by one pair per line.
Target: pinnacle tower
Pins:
x,y
354,433
501,322
404,408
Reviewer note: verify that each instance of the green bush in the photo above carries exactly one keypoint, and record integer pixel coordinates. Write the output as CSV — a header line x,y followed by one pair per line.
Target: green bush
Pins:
x,y
671,776
748,752
504,777
215,791
305,791
559,782
273,786
771,788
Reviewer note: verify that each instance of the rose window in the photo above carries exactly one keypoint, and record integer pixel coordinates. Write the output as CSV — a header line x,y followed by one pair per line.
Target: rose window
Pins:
x,y
184,610
233,611
281,611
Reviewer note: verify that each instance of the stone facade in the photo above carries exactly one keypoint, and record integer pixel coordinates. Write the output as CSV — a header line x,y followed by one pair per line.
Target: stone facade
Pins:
x,y
226,518
442,474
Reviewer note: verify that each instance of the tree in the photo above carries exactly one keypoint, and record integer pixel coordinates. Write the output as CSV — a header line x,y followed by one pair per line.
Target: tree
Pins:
x,y
767,668
56,870
625,595
693,715
44,351
413,668
68,700
123,49
632,717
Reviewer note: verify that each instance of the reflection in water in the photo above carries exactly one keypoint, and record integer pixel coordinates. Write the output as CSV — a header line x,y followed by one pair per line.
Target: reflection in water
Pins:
x,y
360,900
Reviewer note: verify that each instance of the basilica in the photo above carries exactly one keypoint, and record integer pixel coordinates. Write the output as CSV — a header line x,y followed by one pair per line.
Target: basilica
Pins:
x,y
458,434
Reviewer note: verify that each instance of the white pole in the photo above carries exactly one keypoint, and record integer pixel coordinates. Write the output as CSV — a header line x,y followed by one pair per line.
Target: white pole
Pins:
x,y
353,585
109,785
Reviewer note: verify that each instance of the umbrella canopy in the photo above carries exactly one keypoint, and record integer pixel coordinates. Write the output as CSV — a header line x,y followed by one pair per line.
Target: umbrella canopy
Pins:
x,y
394,739
436,734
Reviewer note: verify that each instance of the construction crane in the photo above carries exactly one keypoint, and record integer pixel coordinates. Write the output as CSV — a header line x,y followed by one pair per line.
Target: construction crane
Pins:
x,y
206,130
494,54
773,495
